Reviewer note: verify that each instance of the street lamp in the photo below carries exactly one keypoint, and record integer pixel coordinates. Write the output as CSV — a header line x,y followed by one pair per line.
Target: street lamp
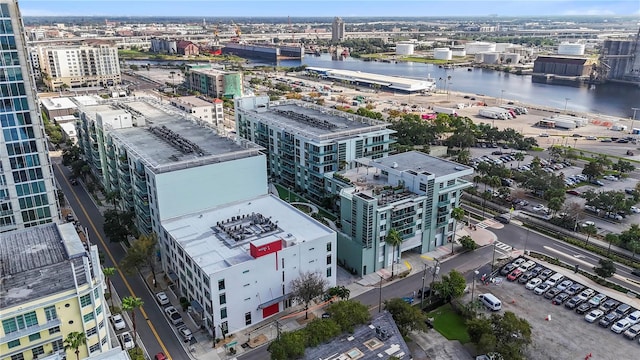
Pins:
x,y
435,271
424,275
501,96
473,287
634,117
493,257
380,296
566,100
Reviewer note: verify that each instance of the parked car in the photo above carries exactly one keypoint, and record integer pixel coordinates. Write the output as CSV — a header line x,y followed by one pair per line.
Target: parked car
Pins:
x,y
593,315
574,289
587,293
634,317
118,322
573,302
632,332
541,289
545,274
160,356
519,261
609,305
533,283
173,315
620,326
514,275
551,293
583,308
537,270
560,299
608,319
502,218
526,266
565,285
524,278
539,207
162,298
127,341
596,300
185,333
507,269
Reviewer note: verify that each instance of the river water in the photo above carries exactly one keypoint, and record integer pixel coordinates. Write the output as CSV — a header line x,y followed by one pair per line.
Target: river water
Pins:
x,y
608,99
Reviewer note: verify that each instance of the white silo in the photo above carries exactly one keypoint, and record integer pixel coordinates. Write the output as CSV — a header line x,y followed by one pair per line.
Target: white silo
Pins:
x,y
500,47
479,47
442,53
404,49
458,51
566,48
479,58
490,57
510,58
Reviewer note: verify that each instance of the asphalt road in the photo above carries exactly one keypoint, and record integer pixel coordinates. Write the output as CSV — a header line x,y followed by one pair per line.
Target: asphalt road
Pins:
x,y
151,324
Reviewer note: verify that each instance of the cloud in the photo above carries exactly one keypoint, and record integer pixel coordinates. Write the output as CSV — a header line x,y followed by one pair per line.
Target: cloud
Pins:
x,y
590,12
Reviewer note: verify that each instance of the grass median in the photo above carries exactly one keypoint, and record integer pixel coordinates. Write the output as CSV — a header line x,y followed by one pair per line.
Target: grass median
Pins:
x,y
450,324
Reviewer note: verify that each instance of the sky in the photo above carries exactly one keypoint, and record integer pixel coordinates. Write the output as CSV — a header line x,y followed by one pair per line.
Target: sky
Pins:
x,y
311,8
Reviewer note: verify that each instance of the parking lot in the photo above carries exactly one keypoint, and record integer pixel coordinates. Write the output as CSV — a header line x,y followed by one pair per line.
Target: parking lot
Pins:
x,y
558,332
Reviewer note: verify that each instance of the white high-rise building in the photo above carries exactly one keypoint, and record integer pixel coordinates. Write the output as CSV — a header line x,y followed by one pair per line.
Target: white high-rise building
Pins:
x,y
337,30
27,191
79,66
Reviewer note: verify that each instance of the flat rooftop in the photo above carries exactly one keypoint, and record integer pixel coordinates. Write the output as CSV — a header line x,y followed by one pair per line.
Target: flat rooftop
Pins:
x,y
191,100
37,262
316,122
163,149
378,340
59,103
392,82
420,162
212,238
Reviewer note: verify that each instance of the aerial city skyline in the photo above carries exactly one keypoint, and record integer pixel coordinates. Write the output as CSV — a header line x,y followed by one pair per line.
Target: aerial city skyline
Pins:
x,y
352,8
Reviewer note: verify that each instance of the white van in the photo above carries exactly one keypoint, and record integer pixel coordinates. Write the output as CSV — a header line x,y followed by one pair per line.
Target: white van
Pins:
x,y
490,301
554,280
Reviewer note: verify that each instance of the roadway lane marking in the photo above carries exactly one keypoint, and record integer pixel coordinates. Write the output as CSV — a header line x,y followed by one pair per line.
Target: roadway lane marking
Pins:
x,y
113,260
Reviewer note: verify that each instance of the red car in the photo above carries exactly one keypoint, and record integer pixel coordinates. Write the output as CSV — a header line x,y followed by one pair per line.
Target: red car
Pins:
x,y
574,192
514,275
160,356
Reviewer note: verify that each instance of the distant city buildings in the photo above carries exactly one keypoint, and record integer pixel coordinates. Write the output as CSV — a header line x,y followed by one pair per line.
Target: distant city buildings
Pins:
x,y
410,192
27,192
305,141
337,30
209,112
180,47
52,285
215,83
622,59
79,66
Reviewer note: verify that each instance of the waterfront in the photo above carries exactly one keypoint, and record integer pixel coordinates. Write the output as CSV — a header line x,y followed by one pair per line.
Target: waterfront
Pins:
x,y
610,99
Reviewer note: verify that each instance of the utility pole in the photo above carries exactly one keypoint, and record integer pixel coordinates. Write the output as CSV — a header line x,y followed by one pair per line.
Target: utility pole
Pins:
x,y
634,117
424,275
380,295
473,287
566,100
434,272
493,258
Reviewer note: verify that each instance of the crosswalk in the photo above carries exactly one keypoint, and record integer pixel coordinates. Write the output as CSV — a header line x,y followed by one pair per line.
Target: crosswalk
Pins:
x,y
502,246
486,223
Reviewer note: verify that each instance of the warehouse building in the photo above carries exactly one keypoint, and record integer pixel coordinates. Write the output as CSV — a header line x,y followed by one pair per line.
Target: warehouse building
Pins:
x,y
562,65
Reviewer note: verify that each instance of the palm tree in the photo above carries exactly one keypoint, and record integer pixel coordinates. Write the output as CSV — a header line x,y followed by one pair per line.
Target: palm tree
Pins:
x,y
393,239
589,230
130,304
74,341
457,214
108,273
519,157
113,197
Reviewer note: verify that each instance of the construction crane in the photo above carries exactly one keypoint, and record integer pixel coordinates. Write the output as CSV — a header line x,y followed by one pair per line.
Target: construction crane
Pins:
x,y
216,33
237,31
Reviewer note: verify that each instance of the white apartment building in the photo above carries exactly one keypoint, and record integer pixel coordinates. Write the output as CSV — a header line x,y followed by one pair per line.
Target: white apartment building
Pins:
x,y
79,66
209,112
235,262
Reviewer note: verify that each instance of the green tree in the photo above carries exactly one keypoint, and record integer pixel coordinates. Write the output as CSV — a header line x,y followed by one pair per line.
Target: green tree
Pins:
x,y
131,304
590,230
407,317
347,314
74,341
555,204
113,197
505,334
593,169
468,243
519,157
141,255
306,287
605,269
623,166
319,330
114,227
108,273
457,214
451,286
341,292
393,240
290,345
611,238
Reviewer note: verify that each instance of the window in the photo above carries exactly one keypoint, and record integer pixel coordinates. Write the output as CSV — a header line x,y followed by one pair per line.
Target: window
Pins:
x,y
17,357
328,272
14,343
423,187
92,331
223,313
247,318
221,284
54,330
328,246
37,351
50,312
99,310
101,325
20,322
34,337
88,317
328,259
85,300
223,299
57,345
94,348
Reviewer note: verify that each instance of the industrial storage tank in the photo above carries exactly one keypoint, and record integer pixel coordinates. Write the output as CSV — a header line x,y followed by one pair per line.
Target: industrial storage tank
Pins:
x,y
501,47
442,54
490,58
479,47
566,48
520,50
404,49
479,58
510,58
458,51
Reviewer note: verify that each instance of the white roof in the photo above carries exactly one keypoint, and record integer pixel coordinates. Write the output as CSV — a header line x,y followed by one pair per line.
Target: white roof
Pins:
x,y
68,128
87,100
58,103
200,237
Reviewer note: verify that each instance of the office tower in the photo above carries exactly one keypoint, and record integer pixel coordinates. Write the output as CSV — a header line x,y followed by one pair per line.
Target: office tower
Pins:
x,y
337,30
27,191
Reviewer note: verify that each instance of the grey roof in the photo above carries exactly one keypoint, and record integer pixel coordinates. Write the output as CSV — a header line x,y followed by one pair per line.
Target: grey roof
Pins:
x,y
421,162
38,261
161,155
364,343
317,122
